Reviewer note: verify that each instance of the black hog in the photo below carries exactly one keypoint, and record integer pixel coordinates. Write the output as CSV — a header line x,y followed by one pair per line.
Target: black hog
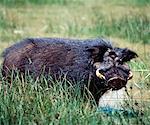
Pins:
x,y
95,62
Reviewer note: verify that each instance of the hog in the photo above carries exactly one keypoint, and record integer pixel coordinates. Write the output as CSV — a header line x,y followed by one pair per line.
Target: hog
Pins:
x,y
94,62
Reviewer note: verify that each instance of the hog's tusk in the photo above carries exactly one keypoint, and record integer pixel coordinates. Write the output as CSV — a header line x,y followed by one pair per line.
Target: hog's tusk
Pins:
x,y
99,75
130,75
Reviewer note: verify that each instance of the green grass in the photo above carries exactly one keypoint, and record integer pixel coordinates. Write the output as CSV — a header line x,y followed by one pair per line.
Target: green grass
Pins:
x,y
67,2
16,3
33,102
130,2
3,22
65,21
134,29
126,22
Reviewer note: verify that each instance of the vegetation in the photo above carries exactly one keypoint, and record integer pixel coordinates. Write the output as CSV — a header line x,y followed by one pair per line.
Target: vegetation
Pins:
x,y
126,22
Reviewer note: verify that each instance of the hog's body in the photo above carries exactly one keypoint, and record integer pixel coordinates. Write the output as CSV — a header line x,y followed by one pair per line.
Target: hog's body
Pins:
x,y
75,58
53,55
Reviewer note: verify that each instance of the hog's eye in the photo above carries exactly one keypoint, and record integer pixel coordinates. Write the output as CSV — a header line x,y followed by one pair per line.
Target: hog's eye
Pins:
x,y
121,62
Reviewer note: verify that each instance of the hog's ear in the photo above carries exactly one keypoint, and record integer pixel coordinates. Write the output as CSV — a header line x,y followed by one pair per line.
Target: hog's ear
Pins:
x,y
97,52
127,55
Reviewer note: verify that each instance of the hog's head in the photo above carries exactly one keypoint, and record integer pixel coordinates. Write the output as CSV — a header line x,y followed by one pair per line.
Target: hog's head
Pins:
x,y
111,66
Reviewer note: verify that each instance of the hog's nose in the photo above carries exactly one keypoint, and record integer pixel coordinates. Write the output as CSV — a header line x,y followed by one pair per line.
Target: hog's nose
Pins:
x,y
116,83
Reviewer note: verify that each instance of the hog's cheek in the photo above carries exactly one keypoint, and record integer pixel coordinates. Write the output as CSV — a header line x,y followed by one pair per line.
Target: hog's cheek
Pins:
x,y
97,65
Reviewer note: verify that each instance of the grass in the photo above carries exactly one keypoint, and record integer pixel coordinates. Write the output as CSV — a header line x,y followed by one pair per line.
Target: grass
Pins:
x,y
124,28
131,2
12,3
90,21
31,102
127,23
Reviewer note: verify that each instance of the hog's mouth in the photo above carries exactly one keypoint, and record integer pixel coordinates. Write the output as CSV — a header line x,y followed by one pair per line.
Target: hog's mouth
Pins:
x,y
115,78
116,83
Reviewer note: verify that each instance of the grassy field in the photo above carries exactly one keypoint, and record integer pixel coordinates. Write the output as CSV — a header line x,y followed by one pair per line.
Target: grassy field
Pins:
x,y
125,22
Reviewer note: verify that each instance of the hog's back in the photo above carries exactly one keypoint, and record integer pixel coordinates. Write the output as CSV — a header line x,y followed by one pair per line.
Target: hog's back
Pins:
x,y
50,56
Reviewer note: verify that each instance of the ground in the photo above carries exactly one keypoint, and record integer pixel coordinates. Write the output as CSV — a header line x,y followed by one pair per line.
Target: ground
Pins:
x,y
126,23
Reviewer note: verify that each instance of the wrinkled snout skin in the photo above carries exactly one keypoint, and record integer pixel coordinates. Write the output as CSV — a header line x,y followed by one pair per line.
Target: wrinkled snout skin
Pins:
x,y
93,62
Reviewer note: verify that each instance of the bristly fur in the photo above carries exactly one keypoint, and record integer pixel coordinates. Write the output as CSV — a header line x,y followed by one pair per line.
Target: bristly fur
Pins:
x,y
73,57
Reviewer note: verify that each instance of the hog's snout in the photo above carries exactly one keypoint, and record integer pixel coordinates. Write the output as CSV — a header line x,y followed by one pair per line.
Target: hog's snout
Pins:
x,y
114,70
116,83
115,77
